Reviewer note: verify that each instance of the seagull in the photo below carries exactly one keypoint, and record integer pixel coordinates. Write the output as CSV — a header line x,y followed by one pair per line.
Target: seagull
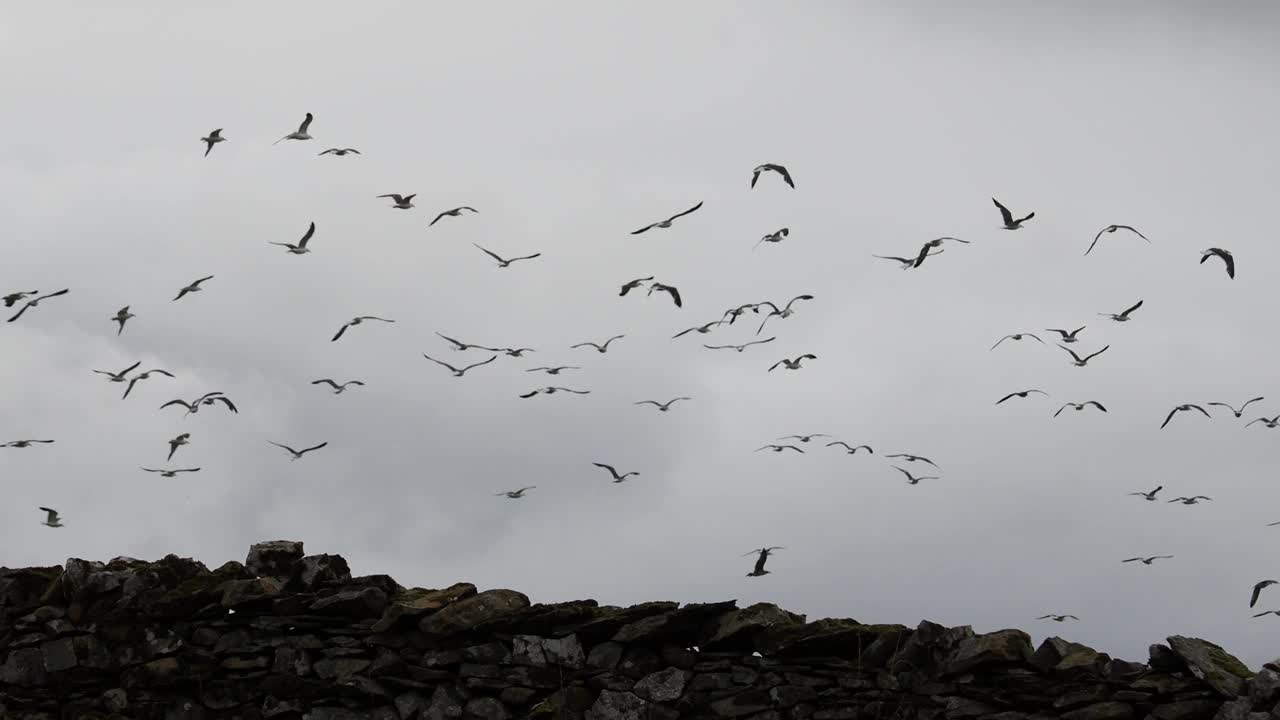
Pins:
x,y
633,285
118,376
771,167
1147,560
122,316
193,287
206,399
912,479
773,237
516,494
1190,500
504,263
301,133
212,398
1124,316
456,212
1150,496
599,348
936,242
456,371
297,454
356,321
340,151
1009,222
779,448
764,555
1067,337
554,370
1257,590
1269,422
1021,394
1182,408
700,329
907,263
402,202
741,347
666,223
616,477
51,518
784,313
913,458
793,364
1078,361
1240,411
662,407
33,302
670,290
174,444
144,376
852,450
1227,259
1017,336
23,443
1057,618
337,389
552,391
301,248
459,345
1080,406
12,298
1111,229
733,313
171,473
510,352
803,438
214,138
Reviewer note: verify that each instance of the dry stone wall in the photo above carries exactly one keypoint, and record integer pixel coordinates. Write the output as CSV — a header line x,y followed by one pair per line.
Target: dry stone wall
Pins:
x,y
289,636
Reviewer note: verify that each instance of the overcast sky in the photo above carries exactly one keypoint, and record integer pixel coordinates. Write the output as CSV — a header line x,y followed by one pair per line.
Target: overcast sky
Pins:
x,y
571,124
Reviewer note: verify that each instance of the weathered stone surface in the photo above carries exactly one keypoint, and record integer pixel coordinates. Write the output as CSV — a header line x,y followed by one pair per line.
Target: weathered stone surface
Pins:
x,y
274,558
1209,662
467,614
737,630
1264,689
540,651
1002,646
368,602
316,571
663,685
1101,711
1187,710
416,602
617,706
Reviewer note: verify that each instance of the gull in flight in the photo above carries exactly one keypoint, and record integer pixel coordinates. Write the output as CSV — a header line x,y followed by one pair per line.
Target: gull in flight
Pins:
x,y
1227,259
118,376
733,313
174,444
456,372
662,407
356,321
1147,560
122,316
1149,496
337,389
340,151
510,352
779,448
1082,362
300,133
913,458
1257,590
23,443
1067,337
666,223
144,376
771,167
552,391
554,370
599,348
1080,406
171,473
700,329
193,287
1124,316
1017,336
206,399
297,454
793,364
51,517
402,202
12,298
1240,411
1057,618
214,138
616,477
1269,422
504,263
1111,229
764,553
773,237
1021,394
912,479
782,314
852,450
459,345
741,347
516,494
907,263
628,287
301,248
936,242
1009,222
34,302
803,438
455,212
1190,500
1182,408
668,289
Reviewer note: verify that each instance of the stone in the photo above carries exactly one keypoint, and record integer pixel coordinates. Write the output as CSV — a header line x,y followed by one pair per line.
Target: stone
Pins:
x,y
416,602
786,696
317,571
1186,710
663,685
240,594
274,558
1002,646
330,668
368,602
1101,711
1161,657
445,704
24,668
606,655
487,709
467,614
540,651
115,700
1234,710
958,708
737,630
409,704
743,703
59,654
1264,688
612,705
844,638
1220,669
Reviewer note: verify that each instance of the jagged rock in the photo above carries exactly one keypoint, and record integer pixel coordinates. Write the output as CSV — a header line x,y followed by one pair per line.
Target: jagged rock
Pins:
x,y
663,685
487,709
1101,711
617,706
605,655
368,602
467,614
24,668
415,602
1234,710
737,630
680,622
1163,658
239,594
445,704
608,620
1209,662
274,558
548,619
24,588
317,571
829,637
927,647
1264,689
115,700
540,651
1002,646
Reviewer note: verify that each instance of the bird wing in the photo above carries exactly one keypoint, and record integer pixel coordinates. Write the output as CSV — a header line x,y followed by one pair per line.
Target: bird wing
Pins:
x,y
904,472
1242,407
1004,212
757,342
675,295
1131,559
1202,410
483,362
526,257
776,365
491,254
1096,404
1028,217
1135,307
343,329
130,368
1229,260
1073,353
51,513
924,253
764,555
325,381
310,231
1168,418
1095,239
183,403
755,175
433,222
1006,397
227,401
798,297
1006,337
305,124
607,467
683,332
648,402
286,447
314,447
1064,407
890,257
686,212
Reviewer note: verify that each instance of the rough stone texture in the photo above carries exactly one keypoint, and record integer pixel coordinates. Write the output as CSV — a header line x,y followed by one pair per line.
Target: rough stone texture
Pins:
x,y
287,636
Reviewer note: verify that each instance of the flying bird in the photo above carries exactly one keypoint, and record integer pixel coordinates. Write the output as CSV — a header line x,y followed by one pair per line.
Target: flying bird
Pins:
x,y
1124,316
297,454
1268,422
300,133
1021,394
144,376
171,473
1082,362
1017,336
1147,560
912,479
628,287
1009,222
670,290
118,376
599,348
776,236
1226,256
733,313
337,389
1257,590
1191,500
764,553
662,407
1067,337
852,450
913,458
556,370
553,390
51,517
782,314
936,242
771,167
616,477
214,138
793,364
12,298
1080,406
1111,229
700,329
193,287
516,494
1240,411
778,448
510,352
504,263
666,223
907,263
174,444
356,321
23,443
741,347
803,438
402,202
34,302
1151,495
339,151
459,345
460,372
206,399
122,316
301,248
455,212
1057,618
1183,408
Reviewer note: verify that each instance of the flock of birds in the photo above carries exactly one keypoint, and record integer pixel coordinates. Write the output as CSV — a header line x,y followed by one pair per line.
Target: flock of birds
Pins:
x,y
32,299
